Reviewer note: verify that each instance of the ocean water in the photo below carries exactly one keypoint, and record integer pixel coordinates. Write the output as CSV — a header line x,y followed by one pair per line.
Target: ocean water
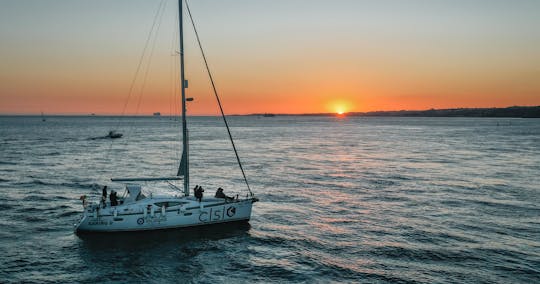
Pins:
x,y
344,200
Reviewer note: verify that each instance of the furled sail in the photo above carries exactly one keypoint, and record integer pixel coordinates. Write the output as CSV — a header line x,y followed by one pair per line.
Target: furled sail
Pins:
x,y
182,167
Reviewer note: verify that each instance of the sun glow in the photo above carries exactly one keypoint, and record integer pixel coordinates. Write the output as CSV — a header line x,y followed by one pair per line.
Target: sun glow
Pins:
x,y
339,107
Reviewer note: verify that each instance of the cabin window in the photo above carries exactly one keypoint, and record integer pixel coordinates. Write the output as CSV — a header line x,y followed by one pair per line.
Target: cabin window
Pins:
x,y
169,204
140,196
161,204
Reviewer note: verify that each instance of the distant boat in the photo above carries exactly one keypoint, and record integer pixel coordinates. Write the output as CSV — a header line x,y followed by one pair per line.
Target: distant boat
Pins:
x,y
138,212
43,117
113,135
269,115
157,113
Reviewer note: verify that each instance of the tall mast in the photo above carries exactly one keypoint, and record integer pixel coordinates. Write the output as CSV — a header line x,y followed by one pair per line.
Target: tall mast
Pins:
x,y
184,164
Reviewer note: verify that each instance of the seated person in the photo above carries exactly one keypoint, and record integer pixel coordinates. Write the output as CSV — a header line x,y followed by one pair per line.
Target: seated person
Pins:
x,y
220,194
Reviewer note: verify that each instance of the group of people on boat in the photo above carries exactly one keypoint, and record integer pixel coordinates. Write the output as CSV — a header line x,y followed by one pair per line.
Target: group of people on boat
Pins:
x,y
113,197
220,194
198,192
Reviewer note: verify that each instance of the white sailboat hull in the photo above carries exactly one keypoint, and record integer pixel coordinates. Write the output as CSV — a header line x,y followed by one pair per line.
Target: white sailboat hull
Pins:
x,y
136,212
147,215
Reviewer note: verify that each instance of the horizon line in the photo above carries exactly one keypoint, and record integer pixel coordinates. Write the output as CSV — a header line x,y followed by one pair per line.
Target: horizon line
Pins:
x,y
252,114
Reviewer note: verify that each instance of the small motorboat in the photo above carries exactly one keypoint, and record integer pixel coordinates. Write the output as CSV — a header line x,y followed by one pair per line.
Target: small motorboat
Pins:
x,y
113,134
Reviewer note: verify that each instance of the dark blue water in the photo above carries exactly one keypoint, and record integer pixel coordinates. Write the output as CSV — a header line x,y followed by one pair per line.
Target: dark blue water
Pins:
x,y
407,200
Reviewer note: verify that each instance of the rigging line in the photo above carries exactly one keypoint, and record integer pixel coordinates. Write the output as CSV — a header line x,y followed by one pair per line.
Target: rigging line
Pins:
x,y
150,57
139,65
217,97
153,39
141,59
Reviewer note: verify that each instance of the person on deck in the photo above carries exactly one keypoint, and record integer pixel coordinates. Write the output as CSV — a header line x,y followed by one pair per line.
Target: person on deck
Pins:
x,y
220,194
84,202
113,198
199,193
104,197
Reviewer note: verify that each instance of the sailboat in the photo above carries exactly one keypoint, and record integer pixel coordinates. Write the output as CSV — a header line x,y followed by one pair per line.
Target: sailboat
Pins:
x,y
139,212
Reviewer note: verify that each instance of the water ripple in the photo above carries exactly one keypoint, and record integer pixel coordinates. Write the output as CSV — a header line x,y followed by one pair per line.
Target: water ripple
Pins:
x,y
353,200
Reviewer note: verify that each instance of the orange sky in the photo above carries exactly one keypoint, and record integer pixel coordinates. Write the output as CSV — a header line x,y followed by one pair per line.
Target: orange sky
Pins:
x,y
292,57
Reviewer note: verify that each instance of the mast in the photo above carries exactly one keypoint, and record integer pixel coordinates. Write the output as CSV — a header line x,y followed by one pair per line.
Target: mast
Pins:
x,y
184,164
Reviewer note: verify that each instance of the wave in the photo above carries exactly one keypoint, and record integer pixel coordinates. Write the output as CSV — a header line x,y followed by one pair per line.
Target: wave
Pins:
x,y
34,219
92,186
400,177
48,229
36,198
276,273
68,214
425,254
6,206
384,182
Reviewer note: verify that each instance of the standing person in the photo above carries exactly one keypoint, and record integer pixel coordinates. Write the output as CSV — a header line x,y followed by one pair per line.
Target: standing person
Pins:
x,y
84,202
112,197
199,193
104,197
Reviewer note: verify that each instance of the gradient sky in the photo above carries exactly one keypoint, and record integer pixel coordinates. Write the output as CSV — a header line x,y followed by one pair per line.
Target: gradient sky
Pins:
x,y
279,56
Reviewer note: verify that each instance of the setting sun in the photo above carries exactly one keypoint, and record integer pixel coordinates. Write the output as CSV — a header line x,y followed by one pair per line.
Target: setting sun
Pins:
x,y
339,107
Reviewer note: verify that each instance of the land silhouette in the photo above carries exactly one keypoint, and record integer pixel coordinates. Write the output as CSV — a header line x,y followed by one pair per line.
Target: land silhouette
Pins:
x,y
514,111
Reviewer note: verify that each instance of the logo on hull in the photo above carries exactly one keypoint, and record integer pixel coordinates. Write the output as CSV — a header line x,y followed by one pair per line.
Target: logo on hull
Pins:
x,y
231,211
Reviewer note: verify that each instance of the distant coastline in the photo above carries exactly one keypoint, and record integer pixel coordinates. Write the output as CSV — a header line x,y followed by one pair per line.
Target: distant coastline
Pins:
x,y
514,111
510,112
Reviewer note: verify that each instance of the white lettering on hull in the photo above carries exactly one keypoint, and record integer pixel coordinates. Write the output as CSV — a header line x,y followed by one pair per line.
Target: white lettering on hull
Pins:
x,y
99,222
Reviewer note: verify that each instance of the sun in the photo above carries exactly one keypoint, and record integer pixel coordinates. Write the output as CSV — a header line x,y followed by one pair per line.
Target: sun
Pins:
x,y
339,107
